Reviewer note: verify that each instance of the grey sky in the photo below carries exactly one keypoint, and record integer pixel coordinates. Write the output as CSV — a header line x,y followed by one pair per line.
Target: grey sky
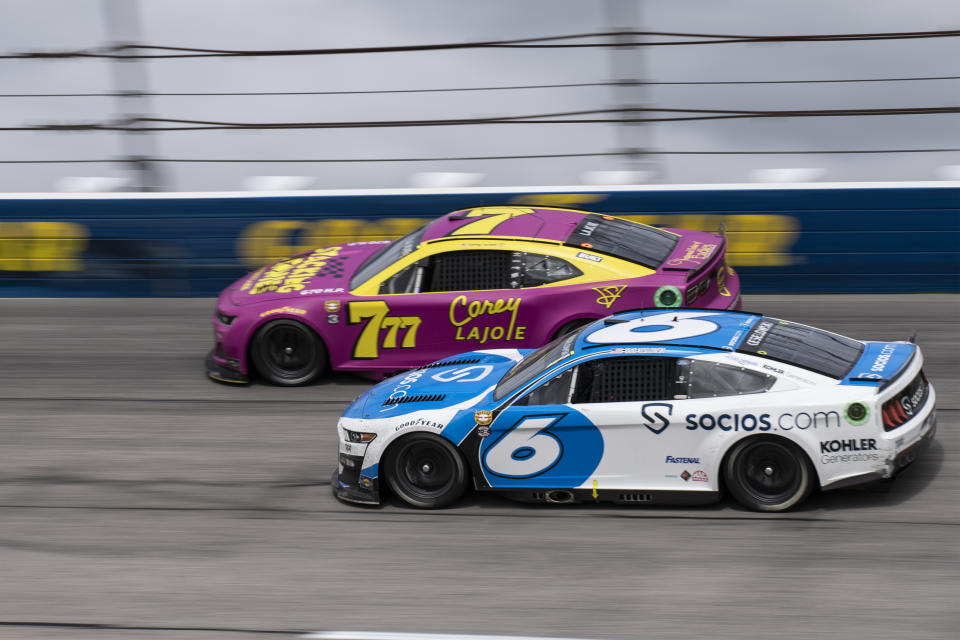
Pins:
x,y
242,24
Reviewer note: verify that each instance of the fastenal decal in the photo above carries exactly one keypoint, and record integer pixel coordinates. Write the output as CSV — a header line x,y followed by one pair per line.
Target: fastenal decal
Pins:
x,y
672,460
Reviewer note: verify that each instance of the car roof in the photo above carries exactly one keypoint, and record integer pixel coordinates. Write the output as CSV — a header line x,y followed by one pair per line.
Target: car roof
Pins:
x,y
691,332
535,223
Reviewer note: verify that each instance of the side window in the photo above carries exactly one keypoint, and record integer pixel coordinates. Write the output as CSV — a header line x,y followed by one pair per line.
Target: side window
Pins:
x,y
538,269
626,379
405,281
554,391
711,379
468,271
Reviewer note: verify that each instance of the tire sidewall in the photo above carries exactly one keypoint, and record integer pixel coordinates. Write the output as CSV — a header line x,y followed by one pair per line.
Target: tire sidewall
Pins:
x,y
392,469
258,357
745,497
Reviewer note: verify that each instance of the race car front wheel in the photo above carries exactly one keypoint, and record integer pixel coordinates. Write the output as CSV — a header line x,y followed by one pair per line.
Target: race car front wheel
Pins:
x,y
287,352
767,474
425,471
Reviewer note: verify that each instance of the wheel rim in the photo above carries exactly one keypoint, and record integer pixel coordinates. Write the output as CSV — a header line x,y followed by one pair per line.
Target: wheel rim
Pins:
x,y
424,470
288,351
769,472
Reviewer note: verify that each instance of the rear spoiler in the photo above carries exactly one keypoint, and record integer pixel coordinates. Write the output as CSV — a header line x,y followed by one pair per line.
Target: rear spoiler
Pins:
x,y
884,381
694,271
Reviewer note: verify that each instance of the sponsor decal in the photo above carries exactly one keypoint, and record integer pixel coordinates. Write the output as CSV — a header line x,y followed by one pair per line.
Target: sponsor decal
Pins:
x,y
860,450
696,252
656,416
295,310
672,460
483,431
856,413
463,314
419,422
588,228
313,292
396,330
639,350
589,256
333,318
772,368
292,275
364,242
756,336
685,475
483,417
402,388
331,306
763,422
249,281
700,476
366,483
722,281
852,444
608,295
882,358
910,402
466,374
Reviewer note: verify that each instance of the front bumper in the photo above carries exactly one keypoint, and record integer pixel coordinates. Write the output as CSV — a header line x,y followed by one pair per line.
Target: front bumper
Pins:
x,y
355,492
221,373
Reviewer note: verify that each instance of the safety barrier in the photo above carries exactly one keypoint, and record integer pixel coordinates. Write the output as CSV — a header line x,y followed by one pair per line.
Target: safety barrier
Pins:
x,y
876,237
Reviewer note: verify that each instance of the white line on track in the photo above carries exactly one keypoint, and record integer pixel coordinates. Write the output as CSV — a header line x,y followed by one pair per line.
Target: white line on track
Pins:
x,y
392,635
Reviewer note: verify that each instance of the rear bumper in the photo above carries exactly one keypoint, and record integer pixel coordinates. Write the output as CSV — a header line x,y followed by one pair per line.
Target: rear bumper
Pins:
x,y
221,373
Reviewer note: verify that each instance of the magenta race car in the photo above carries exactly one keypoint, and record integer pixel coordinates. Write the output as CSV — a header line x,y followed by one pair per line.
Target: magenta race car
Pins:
x,y
484,278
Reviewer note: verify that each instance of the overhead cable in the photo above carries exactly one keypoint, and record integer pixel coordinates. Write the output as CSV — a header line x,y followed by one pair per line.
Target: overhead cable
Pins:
x,y
615,39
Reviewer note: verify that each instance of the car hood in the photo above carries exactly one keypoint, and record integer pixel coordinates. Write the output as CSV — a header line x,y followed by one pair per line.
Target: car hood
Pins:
x,y
458,380
323,270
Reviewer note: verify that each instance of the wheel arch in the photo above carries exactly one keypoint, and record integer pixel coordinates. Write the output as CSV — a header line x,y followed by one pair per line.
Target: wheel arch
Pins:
x,y
263,321
731,445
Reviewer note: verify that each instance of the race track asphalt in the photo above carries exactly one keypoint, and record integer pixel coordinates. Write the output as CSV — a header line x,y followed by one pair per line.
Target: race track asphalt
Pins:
x,y
140,500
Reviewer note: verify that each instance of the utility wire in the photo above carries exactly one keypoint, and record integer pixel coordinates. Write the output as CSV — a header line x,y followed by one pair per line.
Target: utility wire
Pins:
x,y
618,39
567,117
464,89
503,157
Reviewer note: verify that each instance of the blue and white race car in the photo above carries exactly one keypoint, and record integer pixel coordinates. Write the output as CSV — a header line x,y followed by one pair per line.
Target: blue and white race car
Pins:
x,y
644,407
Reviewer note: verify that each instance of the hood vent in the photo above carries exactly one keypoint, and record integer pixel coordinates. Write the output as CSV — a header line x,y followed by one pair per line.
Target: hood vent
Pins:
x,y
431,397
449,363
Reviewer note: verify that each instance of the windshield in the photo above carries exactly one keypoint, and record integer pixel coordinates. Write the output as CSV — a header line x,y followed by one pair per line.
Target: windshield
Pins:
x,y
803,346
386,256
535,363
638,243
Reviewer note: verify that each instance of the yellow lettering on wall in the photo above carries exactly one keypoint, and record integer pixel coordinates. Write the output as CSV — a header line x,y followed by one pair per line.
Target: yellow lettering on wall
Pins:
x,y
42,246
763,239
558,199
270,240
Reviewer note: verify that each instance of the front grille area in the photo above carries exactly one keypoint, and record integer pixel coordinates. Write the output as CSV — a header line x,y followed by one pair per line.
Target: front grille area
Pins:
x,y
351,468
904,406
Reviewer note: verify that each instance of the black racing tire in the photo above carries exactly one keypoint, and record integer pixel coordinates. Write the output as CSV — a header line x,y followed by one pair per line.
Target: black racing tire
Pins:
x,y
765,473
425,471
571,326
288,353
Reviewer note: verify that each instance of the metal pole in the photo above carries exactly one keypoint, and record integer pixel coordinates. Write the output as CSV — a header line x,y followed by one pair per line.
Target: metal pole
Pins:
x,y
631,91
122,20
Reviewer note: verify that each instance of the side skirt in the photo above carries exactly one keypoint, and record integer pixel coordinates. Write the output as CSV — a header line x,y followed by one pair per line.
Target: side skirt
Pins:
x,y
617,496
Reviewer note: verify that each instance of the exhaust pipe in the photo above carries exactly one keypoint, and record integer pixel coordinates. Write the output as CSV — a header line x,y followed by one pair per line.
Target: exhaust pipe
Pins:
x,y
559,496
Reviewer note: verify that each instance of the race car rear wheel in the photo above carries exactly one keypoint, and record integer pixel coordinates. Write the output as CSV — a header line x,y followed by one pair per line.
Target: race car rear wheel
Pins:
x,y
287,352
425,471
767,474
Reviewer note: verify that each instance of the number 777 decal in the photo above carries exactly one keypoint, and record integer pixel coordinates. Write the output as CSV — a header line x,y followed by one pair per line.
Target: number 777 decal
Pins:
x,y
375,312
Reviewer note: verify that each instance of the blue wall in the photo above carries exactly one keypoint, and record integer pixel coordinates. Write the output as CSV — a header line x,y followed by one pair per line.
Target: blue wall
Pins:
x,y
864,239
